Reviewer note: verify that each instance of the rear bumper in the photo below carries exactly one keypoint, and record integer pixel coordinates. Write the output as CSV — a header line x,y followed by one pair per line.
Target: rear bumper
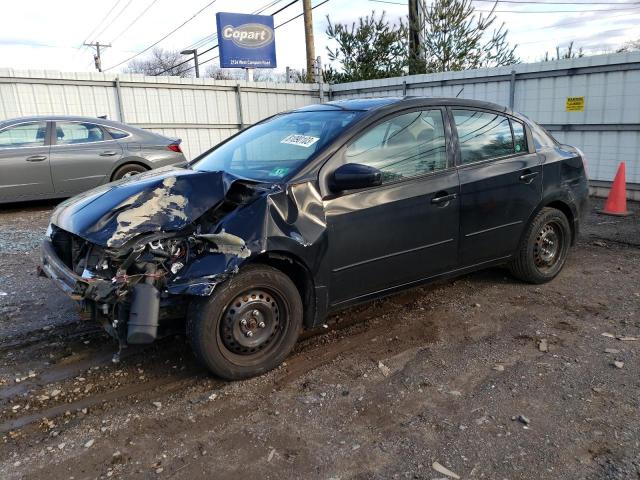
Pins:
x,y
75,286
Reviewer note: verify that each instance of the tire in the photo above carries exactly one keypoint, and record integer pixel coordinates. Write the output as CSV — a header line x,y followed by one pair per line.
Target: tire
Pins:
x,y
221,341
128,170
544,247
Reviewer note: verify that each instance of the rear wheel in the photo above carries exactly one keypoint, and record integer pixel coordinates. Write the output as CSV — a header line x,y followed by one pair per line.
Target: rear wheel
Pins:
x,y
249,325
128,170
544,247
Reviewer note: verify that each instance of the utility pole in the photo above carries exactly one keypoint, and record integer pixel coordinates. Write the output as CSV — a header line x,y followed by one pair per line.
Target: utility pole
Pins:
x,y
308,37
195,59
414,37
96,57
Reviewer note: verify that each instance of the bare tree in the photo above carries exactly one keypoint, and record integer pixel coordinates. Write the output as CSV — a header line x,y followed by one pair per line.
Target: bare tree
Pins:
x,y
217,73
631,46
563,54
162,62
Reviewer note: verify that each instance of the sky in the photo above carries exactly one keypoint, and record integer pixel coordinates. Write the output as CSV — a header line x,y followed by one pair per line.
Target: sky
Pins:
x,y
47,34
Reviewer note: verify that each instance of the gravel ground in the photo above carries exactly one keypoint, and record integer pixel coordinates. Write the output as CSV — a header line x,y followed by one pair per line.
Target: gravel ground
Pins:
x,y
484,376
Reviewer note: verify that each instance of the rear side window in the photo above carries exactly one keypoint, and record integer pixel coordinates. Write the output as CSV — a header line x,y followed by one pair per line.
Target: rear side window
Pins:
x,y
76,132
519,137
483,135
406,146
116,134
23,135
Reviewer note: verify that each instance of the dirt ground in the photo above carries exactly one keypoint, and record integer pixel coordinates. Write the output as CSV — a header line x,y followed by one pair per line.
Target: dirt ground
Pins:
x,y
489,377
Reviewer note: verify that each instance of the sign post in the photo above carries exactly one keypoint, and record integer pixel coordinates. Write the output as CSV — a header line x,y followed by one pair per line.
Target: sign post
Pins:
x,y
246,41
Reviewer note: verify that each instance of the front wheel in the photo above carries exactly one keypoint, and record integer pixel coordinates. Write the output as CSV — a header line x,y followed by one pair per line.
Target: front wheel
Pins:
x,y
544,247
249,325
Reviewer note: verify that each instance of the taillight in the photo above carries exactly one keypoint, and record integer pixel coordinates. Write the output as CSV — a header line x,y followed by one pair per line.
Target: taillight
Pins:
x,y
584,162
175,147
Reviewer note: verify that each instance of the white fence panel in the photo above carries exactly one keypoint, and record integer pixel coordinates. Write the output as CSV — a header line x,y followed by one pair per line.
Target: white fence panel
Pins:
x,y
202,112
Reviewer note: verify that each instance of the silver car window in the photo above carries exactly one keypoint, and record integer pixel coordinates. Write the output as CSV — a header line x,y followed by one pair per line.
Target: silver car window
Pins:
x,y
77,132
23,135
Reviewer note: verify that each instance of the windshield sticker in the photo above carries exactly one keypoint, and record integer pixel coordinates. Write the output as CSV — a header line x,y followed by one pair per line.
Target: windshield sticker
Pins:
x,y
279,172
301,140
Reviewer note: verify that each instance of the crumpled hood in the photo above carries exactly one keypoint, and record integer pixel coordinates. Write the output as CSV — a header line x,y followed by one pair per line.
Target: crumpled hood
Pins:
x,y
166,199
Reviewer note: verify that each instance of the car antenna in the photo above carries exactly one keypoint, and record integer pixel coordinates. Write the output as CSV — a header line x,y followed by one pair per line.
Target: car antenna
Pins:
x,y
459,92
104,117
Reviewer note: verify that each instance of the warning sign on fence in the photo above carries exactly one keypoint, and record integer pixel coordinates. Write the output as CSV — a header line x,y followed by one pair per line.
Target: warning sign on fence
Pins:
x,y
575,104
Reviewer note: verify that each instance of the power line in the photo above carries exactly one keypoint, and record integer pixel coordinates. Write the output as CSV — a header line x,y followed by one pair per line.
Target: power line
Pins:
x,y
557,11
215,33
581,22
163,38
153,2
537,2
286,6
101,21
113,19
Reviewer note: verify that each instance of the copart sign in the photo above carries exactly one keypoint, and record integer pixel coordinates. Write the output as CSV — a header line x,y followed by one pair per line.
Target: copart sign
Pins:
x,y
246,41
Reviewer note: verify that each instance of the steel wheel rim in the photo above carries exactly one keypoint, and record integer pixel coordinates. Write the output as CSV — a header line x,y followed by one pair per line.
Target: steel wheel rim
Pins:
x,y
548,246
242,337
129,174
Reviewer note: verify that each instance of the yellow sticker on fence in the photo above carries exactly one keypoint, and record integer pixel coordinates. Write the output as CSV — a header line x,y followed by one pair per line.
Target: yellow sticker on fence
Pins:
x,y
575,104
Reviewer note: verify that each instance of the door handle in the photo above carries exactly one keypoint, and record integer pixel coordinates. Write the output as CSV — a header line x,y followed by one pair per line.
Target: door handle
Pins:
x,y
36,158
528,177
108,153
444,199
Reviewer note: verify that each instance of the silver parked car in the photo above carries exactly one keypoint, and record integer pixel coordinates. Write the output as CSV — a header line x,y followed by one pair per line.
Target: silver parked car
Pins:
x,y
60,156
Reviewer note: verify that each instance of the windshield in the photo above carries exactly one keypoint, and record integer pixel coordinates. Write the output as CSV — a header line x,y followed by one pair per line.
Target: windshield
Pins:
x,y
277,147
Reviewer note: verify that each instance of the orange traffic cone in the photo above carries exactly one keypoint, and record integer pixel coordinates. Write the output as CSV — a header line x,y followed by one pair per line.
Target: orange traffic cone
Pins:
x,y
616,203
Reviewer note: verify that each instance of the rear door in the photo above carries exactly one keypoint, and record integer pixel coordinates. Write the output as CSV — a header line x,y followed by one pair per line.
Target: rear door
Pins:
x,y
406,229
24,161
500,183
82,156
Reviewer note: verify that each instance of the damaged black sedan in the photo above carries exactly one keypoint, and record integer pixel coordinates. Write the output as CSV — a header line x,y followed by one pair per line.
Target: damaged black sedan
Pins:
x,y
311,211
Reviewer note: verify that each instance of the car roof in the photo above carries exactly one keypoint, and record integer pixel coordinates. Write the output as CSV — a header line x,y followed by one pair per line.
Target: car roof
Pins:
x,y
371,104
71,118
78,118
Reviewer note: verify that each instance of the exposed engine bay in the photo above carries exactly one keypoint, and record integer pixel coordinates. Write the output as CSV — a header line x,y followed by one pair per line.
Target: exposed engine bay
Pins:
x,y
135,264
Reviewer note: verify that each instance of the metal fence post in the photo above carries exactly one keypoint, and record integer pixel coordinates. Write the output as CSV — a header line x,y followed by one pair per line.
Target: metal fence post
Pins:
x,y
119,99
239,106
512,89
404,88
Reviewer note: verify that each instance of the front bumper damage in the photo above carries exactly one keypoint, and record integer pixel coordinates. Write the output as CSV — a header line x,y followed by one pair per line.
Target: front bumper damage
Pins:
x,y
135,253
133,290
75,286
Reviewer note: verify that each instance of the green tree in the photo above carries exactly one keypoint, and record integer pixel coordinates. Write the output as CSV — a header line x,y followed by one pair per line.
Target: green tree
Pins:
x,y
453,38
372,48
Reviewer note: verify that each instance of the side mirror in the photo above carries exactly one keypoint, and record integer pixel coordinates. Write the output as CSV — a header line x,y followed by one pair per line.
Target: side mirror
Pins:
x,y
355,175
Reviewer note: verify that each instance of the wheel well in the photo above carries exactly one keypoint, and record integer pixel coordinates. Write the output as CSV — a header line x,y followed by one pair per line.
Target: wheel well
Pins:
x,y
128,162
299,275
564,208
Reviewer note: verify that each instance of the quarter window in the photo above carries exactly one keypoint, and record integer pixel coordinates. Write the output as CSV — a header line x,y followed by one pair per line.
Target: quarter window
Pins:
x,y
77,132
519,137
24,135
483,135
115,133
406,146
